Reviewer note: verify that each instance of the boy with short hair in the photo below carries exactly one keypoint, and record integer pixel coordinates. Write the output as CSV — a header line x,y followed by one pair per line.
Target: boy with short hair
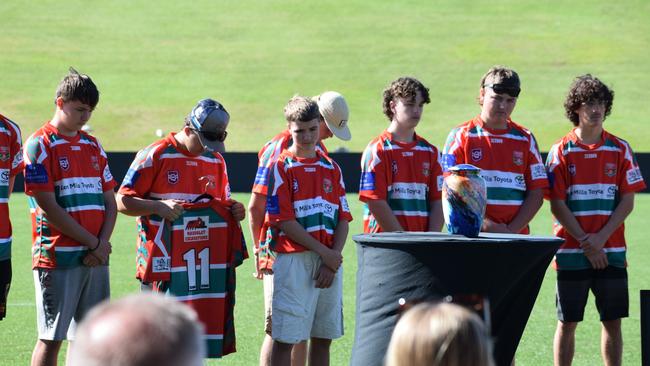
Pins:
x,y
593,176
401,177
307,203
334,114
73,216
11,163
506,152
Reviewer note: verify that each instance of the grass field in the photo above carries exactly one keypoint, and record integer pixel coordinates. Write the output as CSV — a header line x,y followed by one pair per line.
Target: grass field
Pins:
x,y
19,328
153,61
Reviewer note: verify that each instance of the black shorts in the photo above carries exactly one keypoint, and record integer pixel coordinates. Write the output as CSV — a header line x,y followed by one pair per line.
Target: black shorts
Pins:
x,y
5,283
608,285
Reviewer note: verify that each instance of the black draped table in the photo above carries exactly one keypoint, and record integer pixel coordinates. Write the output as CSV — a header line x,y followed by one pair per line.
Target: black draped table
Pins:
x,y
507,269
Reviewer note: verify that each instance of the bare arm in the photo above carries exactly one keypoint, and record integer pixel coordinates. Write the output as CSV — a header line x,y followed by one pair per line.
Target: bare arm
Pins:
x,y
297,233
561,211
136,206
110,215
384,215
256,211
596,241
325,275
530,206
436,218
11,185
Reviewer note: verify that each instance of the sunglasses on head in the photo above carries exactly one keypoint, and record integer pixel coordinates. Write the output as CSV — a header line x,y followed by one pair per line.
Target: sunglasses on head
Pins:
x,y
512,91
212,136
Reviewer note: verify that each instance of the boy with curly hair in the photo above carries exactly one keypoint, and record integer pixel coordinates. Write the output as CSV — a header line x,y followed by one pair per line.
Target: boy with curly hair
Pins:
x,y
506,152
593,176
401,177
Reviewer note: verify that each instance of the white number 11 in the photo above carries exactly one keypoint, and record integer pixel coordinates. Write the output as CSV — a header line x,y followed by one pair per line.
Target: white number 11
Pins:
x,y
204,267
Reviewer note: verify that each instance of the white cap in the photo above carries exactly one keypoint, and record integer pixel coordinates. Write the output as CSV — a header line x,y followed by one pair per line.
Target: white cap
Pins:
x,y
335,112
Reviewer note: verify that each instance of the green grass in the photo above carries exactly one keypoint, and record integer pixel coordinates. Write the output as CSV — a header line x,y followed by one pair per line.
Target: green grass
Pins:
x,y
19,328
152,62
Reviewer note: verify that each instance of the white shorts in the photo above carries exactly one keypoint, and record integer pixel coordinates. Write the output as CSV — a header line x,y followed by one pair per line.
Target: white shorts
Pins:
x,y
268,299
300,310
64,297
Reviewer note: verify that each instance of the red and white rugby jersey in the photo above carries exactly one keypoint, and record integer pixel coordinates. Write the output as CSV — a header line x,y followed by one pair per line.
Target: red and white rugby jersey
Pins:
x,y
76,170
407,176
310,191
193,258
509,159
164,170
11,163
591,179
267,156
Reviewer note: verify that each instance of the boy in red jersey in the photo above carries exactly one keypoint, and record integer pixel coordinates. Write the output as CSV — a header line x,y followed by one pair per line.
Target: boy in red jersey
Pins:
x,y
73,216
306,201
176,169
593,176
11,163
334,114
506,152
401,177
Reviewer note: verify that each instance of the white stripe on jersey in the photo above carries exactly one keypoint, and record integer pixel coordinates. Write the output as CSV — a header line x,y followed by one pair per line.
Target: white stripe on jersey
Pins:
x,y
210,225
499,179
411,213
84,208
312,206
407,191
198,267
79,185
505,202
184,157
218,295
69,249
579,192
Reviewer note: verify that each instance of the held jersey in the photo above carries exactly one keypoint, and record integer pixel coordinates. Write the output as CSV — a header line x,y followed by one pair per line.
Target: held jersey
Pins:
x,y
193,258
509,159
310,191
267,156
76,170
407,176
591,180
11,163
165,170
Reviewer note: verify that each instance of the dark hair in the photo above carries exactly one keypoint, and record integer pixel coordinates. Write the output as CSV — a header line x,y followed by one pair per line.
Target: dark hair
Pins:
x,y
406,88
584,89
500,74
301,109
79,87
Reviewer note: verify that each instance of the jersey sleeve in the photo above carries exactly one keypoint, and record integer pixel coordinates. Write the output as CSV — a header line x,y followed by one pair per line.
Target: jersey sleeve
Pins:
x,y
279,206
373,183
452,152
37,170
535,174
108,182
264,160
223,183
140,176
16,151
344,208
557,173
435,177
631,179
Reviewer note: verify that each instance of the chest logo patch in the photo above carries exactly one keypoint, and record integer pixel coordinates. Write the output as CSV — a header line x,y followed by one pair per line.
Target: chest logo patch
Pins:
x,y
425,168
173,176
477,154
64,163
518,158
195,228
327,185
610,169
572,169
